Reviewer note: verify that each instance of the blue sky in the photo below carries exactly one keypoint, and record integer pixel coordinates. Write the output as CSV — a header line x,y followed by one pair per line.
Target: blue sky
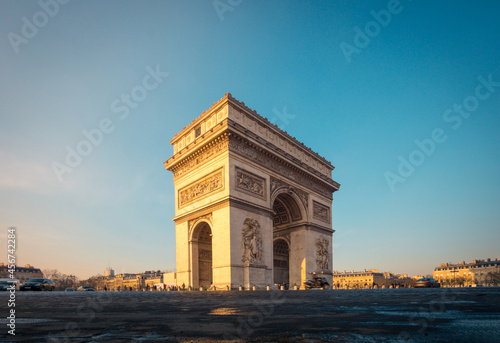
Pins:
x,y
363,114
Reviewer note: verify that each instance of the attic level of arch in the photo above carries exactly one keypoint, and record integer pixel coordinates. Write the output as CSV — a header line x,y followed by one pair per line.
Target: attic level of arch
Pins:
x,y
183,163
229,107
233,117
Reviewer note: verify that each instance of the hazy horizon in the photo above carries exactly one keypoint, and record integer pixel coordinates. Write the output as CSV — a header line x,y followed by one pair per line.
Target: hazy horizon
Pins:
x,y
402,97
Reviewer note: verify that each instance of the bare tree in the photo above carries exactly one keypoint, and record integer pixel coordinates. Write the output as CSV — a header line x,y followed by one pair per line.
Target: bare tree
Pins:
x,y
62,281
493,279
97,282
51,274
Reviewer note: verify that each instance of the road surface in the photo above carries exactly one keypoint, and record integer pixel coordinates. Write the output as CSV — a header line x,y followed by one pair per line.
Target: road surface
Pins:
x,y
381,315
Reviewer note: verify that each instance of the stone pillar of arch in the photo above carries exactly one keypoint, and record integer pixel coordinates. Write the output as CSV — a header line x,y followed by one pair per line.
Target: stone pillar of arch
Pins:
x,y
249,184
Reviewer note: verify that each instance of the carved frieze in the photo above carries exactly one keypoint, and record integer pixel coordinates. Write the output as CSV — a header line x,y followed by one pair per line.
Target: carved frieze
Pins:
x,y
201,188
321,212
256,156
251,241
207,153
250,183
288,144
322,254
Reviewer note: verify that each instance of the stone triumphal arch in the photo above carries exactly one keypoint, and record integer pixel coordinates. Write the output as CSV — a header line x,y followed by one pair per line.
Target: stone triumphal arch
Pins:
x,y
253,206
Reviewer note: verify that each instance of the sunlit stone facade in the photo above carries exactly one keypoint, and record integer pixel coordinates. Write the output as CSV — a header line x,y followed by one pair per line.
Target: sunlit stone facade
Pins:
x,y
477,272
253,206
372,278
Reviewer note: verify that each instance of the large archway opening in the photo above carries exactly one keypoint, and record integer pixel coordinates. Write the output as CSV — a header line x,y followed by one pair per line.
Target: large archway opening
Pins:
x,y
286,213
203,246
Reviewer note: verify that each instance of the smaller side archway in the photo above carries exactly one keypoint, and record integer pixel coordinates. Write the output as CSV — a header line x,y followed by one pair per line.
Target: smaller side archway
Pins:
x,y
201,256
281,262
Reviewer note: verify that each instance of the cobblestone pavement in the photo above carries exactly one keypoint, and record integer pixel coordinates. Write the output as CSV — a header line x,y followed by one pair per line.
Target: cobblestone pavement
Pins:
x,y
384,315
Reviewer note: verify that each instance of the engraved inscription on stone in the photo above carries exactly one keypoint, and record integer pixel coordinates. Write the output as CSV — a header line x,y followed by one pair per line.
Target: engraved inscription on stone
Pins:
x,y
321,212
202,188
250,183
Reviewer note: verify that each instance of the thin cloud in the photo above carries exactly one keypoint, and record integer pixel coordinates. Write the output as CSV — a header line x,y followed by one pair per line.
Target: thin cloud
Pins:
x,y
21,174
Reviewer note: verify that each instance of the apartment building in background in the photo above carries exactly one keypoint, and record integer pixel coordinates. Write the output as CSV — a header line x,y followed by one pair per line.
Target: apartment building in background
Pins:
x,y
21,273
478,272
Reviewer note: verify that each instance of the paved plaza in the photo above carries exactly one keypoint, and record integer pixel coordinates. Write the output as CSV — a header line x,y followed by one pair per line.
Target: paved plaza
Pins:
x,y
383,315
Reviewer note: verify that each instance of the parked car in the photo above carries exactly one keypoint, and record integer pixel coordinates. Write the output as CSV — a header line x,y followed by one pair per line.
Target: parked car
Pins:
x,y
427,282
5,284
85,289
69,290
38,285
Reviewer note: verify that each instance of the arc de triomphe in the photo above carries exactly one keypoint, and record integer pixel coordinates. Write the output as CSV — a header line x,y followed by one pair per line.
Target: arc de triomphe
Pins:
x,y
252,204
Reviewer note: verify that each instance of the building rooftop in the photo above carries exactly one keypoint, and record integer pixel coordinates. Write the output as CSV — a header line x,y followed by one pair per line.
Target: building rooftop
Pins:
x,y
352,272
26,269
474,263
